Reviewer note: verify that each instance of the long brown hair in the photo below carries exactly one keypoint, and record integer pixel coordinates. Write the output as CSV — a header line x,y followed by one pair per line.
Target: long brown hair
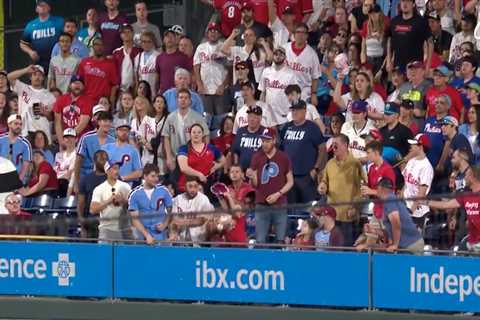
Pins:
x,y
355,94
376,23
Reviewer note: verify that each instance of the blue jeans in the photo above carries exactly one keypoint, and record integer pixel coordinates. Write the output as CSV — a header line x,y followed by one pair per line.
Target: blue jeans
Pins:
x,y
267,216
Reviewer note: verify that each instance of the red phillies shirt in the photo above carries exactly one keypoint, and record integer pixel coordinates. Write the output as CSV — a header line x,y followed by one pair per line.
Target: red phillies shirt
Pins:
x,y
70,110
433,93
260,11
224,142
99,75
471,203
375,174
300,7
45,168
230,14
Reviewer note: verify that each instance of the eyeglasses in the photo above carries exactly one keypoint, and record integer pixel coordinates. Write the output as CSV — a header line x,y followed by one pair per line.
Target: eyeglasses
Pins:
x,y
13,202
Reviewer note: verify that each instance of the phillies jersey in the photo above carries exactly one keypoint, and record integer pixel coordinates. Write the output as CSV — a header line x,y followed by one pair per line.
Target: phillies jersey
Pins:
x,y
273,82
375,174
300,8
99,75
417,173
305,65
87,146
230,14
127,155
357,143
144,66
70,110
212,70
17,152
471,203
152,205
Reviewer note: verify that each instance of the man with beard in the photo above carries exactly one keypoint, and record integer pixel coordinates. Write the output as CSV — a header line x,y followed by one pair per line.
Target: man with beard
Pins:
x,y
248,22
16,148
72,110
274,81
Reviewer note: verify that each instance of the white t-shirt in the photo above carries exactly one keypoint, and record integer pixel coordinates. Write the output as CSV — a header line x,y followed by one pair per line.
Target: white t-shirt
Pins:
x,y
312,113
111,213
212,73
238,54
417,173
144,66
375,104
64,163
146,129
357,144
200,203
242,121
306,67
27,96
273,82
281,35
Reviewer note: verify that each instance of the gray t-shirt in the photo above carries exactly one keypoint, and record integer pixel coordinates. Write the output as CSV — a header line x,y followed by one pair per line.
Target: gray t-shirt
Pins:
x,y
138,29
61,70
416,94
408,230
177,128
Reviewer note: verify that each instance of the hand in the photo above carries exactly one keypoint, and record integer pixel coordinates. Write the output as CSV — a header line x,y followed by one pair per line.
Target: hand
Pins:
x,y
213,169
148,146
341,77
202,178
250,173
171,164
314,100
261,41
161,226
440,168
389,65
220,90
34,56
322,188
44,110
235,32
351,213
313,173
150,240
392,248
366,191
273,198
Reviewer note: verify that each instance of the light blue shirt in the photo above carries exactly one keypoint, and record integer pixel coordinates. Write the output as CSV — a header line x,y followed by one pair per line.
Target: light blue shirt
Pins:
x,y
171,98
78,49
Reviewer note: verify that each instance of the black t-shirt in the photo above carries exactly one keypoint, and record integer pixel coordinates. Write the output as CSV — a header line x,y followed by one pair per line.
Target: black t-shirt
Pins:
x,y
459,141
359,16
87,184
442,42
407,38
397,138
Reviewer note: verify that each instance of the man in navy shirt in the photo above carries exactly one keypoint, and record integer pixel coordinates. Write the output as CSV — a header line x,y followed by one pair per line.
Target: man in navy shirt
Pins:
x,y
433,129
457,142
303,142
248,141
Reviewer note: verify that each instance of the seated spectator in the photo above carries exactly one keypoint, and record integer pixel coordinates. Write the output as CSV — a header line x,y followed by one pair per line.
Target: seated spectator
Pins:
x,y
4,113
197,158
183,80
40,142
402,232
110,200
327,234
65,163
16,221
44,178
306,235
471,129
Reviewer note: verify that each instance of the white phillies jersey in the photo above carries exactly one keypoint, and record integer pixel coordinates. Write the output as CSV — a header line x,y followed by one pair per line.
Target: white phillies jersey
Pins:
x,y
212,73
144,66
145,131
306,66
375,104
238,54
281,35
312,113
357,143
417,173
242,121
64,164
273,83
182,204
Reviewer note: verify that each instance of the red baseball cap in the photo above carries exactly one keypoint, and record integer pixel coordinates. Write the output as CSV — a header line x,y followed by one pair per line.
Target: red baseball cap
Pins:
x,y
421,139
269,133
246,5
325,211
213,26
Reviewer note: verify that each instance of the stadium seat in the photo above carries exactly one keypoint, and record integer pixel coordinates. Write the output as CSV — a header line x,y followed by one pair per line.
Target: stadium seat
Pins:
x,y
41,204
67,205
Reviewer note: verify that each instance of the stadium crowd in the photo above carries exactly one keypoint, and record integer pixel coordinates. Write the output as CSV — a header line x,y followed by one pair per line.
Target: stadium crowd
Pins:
x,y
359,104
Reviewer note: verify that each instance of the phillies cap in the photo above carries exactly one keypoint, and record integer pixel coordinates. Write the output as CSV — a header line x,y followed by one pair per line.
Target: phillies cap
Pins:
x,y
391,108
300,104
359,106
110,164
374,133
98,108
325,211
246,5
255,110
213,26
449,120
269,133
420,139
416,64
125,26
386,183
123,123
76,77
69,132
14,117
288,10
178,29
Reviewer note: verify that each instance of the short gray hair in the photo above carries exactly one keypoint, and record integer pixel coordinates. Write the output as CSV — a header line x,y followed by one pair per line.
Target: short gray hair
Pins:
x,y
181,72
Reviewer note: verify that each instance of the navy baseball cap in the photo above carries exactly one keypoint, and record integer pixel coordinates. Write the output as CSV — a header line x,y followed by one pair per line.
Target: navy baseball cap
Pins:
x,y
359,106
391,108
76,77
300,104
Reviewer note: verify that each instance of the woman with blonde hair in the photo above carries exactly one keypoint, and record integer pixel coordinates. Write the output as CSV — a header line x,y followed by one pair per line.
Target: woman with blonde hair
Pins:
x,y
144,128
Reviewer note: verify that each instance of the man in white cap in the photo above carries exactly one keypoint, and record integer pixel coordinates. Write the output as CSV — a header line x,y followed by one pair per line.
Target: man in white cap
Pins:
x,y
110,200
16,148
34,101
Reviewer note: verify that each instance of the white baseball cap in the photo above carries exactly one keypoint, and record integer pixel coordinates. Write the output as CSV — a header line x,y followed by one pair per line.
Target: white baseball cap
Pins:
x,y
39,68
98,108
13,117
69,132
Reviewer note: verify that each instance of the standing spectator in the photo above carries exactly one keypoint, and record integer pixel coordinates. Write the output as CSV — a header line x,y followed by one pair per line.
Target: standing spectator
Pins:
x,y
125,154
395,134
150,206
303,142
273,83
210,72
197,158
225,138
271,174
441,75
64,163
72,110
466,77
360,15
445,15
110,200
293,93
183,79
465,35
341,182
176,131
260,28
35,105
233,93
169,61
303,60
302,9
145,62
471,129
230,14
16,148
406,116
402,232
185,46
43,179
5,112
161,114
408,27
89,143
144,128
88,183
283,25
433,129
99,74
41,34
90,32
143,25
109,24
124,57
63,65
373,39
418,176
247,139
40,142
4,83
441,39
328,234
357,128
77,48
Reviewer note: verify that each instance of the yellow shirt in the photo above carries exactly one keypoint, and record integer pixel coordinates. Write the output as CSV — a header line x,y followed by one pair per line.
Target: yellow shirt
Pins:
x,y
343,180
